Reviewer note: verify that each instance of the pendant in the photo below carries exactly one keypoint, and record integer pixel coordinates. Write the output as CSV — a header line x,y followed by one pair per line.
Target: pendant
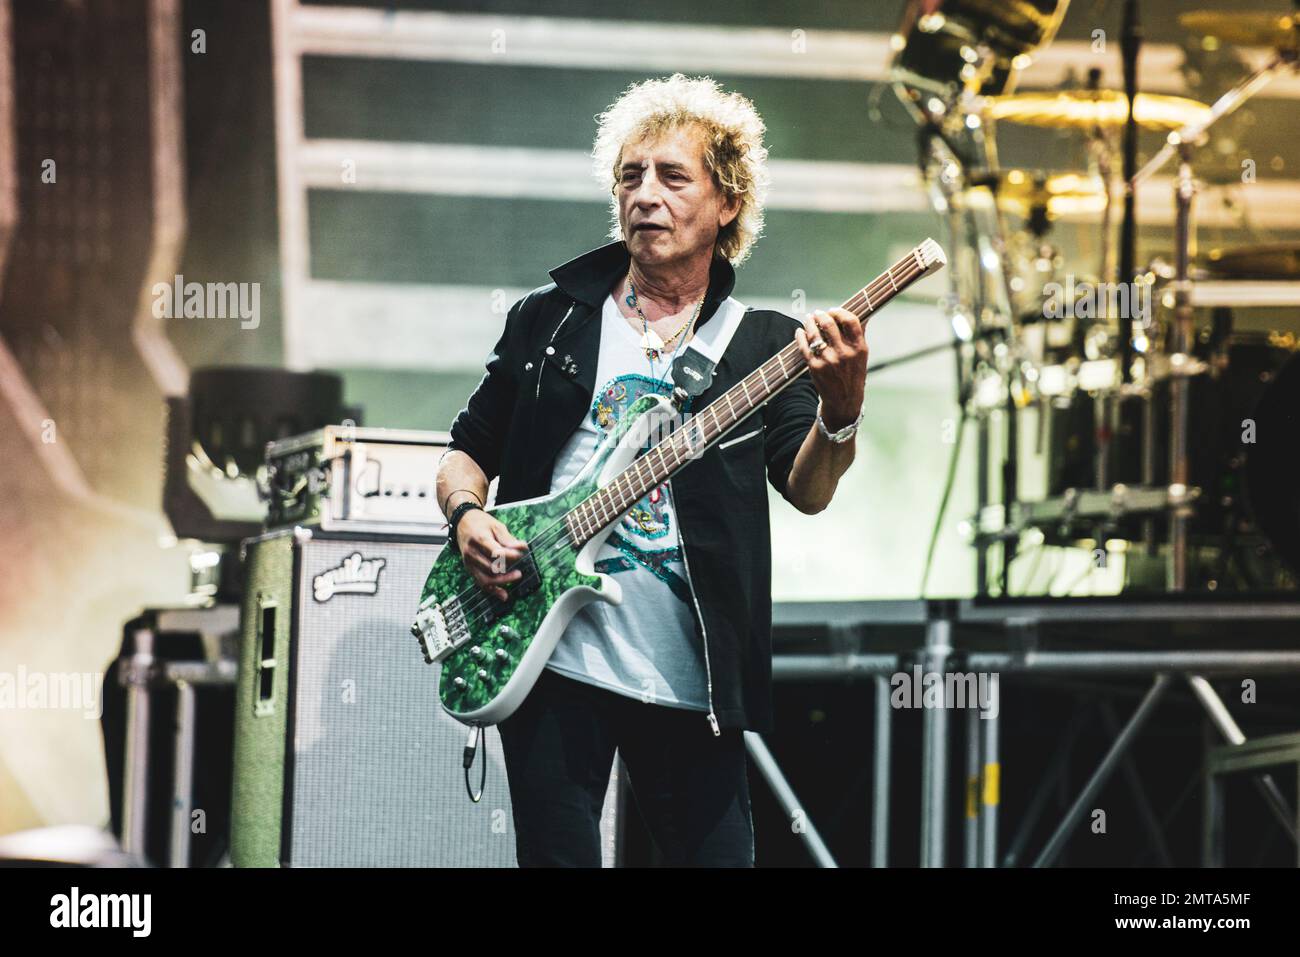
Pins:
x,y
650,340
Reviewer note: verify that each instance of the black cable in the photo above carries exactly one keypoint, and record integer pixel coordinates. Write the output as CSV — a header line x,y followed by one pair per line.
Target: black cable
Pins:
x,y
1040,551
909,357
467,762
943,502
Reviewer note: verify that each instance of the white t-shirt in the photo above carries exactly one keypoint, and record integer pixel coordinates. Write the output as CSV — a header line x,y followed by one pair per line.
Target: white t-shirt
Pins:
x,y
645,647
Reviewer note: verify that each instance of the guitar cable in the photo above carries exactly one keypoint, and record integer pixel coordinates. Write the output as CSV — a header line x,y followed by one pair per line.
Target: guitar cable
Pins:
x,y
467,762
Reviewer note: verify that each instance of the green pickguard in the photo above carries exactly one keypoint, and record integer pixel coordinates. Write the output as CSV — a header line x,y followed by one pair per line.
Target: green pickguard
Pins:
x,y
514,631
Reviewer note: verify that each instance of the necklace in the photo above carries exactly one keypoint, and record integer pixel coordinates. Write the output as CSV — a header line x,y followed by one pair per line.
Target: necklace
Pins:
x,y
651,343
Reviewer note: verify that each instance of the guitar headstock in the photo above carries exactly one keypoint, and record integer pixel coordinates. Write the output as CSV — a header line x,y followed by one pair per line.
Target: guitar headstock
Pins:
x,y
930,257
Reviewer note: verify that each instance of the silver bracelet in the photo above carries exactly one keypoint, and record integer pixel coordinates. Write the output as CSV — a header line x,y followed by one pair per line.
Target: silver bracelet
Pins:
x,y
844,434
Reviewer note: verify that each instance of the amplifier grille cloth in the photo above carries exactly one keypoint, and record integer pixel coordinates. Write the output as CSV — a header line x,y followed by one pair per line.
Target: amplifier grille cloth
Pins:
x,y
377,776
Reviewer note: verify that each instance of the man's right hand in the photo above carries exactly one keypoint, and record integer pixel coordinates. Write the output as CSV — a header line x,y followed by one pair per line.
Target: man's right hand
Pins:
x,y
486,547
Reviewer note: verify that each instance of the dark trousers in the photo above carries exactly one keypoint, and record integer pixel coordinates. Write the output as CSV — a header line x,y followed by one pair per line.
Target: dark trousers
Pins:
x,y
689,785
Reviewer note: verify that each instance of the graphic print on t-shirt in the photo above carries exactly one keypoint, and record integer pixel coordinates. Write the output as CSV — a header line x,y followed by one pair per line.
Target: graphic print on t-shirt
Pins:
x,y
640,534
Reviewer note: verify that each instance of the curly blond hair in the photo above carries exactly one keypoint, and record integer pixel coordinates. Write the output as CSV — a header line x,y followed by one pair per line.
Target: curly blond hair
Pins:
x,y
733,146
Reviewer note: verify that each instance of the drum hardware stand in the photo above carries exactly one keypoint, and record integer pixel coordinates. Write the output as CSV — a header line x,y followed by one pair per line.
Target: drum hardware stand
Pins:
x,y
1107,406
1181,143
996,238
1130,46
1148,453
1183,330
1101,153
957,158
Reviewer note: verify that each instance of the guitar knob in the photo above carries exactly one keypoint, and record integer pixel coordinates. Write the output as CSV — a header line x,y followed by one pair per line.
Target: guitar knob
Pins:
x,y
502,654
507,633
476,651
482,674
459,683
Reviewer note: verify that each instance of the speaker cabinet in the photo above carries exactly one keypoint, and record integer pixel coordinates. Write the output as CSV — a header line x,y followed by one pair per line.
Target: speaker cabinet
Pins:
x,y
343,754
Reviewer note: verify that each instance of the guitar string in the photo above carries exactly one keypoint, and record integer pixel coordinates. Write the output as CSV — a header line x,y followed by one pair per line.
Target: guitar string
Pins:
x,y
472,611
549,535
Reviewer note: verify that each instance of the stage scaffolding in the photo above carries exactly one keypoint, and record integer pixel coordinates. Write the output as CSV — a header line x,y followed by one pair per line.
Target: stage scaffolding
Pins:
x,y
1193,638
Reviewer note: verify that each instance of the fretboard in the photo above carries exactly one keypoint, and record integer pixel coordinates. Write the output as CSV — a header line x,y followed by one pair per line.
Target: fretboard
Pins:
x,y
702,430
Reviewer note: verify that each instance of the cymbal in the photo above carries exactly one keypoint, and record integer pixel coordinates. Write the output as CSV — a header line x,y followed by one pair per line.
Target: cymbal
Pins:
x,y
1243,28
1082,109
1062,194
1261,261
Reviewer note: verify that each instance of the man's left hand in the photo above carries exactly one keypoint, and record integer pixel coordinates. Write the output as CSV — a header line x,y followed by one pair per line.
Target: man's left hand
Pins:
x,y
839,371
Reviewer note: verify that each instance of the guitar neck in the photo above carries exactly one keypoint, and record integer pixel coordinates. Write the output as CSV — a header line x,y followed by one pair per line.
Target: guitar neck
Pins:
x,y
701,431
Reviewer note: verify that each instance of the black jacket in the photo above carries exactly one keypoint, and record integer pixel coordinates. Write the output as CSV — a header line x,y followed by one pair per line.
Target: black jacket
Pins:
x,y
537,388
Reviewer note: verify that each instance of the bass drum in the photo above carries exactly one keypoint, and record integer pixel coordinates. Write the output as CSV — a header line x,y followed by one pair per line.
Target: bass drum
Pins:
x,y
1273,464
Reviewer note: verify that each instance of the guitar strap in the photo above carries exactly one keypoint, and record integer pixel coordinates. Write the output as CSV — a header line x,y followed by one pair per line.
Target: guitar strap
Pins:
x,y
693,369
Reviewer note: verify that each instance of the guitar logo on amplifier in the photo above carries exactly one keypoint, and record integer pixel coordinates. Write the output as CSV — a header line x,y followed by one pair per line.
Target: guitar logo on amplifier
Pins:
x,y
355,575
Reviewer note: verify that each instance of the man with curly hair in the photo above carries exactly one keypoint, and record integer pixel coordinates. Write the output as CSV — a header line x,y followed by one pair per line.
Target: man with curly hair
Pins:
x,y
673,676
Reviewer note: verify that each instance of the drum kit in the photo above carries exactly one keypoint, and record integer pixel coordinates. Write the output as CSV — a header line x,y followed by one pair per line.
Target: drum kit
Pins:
x,y
1120,406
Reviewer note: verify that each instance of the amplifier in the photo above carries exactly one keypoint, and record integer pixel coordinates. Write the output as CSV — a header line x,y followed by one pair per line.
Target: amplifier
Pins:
x,y
344,756
366,480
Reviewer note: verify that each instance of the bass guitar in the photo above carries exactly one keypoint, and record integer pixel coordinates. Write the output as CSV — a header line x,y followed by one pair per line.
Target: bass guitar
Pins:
x,y
492,651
